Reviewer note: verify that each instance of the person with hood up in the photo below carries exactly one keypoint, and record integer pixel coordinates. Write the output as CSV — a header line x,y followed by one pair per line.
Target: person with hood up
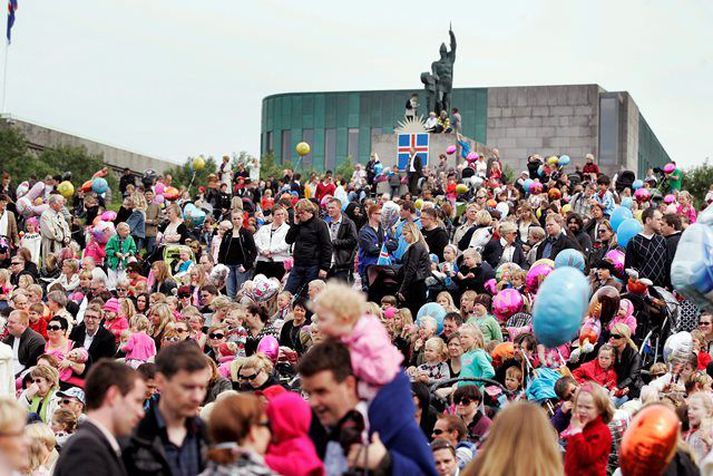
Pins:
x,y
291,451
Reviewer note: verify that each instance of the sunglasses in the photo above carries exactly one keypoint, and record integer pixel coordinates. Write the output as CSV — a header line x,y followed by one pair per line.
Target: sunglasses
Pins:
x,y
67,401
216,336
266,424
615,336
438,431
704,324
172,339
54,328
464,401
248,377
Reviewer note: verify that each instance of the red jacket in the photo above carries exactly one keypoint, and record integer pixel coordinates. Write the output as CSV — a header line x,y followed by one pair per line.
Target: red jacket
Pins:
x,y
588,451
704,358
324,189
591,169
594,372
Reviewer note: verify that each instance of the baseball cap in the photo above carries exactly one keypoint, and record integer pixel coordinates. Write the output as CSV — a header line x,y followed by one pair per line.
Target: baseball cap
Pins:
x,y
73,392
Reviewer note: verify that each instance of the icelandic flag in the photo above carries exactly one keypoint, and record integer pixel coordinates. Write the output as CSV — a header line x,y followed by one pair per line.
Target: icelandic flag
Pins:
x,y
384,258
11,7
419,142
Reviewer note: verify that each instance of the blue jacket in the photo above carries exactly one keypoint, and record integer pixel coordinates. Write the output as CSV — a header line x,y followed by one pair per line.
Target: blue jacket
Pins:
x,y
391,415
370,242
137,224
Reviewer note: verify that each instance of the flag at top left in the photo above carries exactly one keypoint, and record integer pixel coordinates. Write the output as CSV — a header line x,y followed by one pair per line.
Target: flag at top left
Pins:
x,y
11,7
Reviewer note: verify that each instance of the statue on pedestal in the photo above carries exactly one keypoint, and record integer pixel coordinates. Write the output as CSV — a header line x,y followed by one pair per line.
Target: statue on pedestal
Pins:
x,y
439,82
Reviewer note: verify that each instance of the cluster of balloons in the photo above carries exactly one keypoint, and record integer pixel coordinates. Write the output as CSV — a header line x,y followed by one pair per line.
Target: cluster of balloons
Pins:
x,y
29,202
692,267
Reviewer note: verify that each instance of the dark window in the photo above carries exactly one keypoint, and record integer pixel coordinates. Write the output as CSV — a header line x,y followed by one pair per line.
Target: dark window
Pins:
x,y
286,156
330,148
270,142
308,136
353,144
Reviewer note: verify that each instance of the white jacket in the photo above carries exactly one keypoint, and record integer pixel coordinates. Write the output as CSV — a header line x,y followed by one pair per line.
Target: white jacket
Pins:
x,y
275,243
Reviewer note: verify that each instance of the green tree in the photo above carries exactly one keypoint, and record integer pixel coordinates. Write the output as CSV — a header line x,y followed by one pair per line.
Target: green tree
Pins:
x,y
697,181
345,169
183,174
78,161
16,158
268,167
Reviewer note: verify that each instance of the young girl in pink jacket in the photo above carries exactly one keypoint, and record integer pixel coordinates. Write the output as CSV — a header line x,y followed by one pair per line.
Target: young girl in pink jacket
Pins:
x,y
140,347
341,314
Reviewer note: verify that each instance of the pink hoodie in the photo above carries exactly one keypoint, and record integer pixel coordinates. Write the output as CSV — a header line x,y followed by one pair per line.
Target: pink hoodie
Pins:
x,y
628,318
291,453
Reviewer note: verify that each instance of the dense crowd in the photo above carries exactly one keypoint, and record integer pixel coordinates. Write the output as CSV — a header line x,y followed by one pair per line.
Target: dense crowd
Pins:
x,y
383,323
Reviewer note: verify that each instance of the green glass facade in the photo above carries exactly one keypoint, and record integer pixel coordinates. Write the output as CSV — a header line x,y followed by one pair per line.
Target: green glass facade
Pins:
x,y
651,152
338,125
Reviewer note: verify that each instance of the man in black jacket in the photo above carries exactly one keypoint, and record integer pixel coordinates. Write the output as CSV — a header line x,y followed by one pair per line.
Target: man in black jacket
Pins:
x,y
312,251
343,233
115,404
415,167
434,234
238,252
558,238
91,335
505,244
27,345
171,438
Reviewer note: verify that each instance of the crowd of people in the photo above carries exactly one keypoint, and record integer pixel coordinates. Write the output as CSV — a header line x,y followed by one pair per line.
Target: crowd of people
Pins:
x,y
350,325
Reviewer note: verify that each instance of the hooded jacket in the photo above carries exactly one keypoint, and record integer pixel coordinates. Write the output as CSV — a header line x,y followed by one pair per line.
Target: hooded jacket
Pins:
x,y
292,452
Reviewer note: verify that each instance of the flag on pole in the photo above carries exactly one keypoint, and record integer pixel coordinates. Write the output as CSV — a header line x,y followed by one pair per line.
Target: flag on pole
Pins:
x,y
11,7
384,258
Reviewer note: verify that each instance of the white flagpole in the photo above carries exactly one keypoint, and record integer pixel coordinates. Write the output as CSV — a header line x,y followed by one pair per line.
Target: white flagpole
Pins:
x,y
4,76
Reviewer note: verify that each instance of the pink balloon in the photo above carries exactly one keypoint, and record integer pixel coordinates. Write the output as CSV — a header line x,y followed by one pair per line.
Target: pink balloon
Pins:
x,y
451,150
472,157
491,286
669,168
269,346
159,188
158,199
642,195
536,275
506,303
670,198
535,188
616,257
108,215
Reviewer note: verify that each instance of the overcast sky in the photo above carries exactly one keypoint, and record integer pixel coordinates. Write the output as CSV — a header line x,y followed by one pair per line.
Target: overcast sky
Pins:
x,y
174,78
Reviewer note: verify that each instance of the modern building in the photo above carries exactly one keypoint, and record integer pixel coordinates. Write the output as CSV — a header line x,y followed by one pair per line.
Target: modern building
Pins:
x,y
519,121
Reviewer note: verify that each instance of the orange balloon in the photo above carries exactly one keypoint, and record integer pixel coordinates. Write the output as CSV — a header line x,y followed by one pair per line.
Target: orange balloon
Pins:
x,y
86,186
171,193
650,442
502,352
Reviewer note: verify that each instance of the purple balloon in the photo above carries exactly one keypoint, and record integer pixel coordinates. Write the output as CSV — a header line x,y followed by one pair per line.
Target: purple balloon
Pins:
x,y
269,346
451,149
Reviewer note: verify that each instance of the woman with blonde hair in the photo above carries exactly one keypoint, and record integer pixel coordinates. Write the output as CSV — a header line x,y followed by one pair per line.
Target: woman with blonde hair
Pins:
x,y
525,219
627,364
13,443
160,280
42,453
253,373
521,442
416,268
41,396
160,316
479,235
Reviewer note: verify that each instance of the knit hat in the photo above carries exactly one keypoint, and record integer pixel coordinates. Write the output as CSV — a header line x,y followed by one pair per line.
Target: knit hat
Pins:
x,y
112,305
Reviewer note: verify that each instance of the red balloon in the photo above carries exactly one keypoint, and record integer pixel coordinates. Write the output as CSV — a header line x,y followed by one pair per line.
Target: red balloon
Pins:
x,y
170,193
650,442
86,186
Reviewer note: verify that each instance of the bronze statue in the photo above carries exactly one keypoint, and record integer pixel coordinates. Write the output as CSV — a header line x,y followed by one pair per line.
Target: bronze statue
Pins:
x,y
441,78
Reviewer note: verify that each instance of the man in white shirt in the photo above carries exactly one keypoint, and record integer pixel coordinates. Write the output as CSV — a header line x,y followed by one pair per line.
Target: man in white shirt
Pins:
x,y
27,345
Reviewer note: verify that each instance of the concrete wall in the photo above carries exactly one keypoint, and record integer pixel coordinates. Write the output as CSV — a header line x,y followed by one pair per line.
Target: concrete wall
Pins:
x,y
631,134
545,120
385,146
40,137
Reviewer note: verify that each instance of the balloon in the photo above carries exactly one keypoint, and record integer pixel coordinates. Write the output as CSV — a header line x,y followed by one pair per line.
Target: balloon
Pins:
x,y
692,267
570,257
434,310
503,208
546,261
535,188
540,170
25,205
108,216
159,188
637,184
628,229
451,150
588,333
502,352
302,149
669,168
491,286
196,215
159,199
670,198
552,160
560,306
476,181
263,288
627,202
198,163
86,186
642,195
66,189
99,185
378,168
506,268
472,157
650,441
102,231
526,185
170,193
506,303
678,347
616,257
461,188
554,194
491,203
418,203
536,274
22,189
619,215
566,208
269,346
563,160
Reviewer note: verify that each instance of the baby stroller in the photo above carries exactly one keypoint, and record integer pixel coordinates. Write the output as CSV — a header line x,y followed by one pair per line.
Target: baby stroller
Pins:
x,y
441,404
382,281
664,308
171,255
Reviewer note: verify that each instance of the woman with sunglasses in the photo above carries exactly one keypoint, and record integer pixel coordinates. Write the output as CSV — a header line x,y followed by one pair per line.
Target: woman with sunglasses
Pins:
x,y
217,335
467,400
256,373
627,364
59,346
40,396
240,432
604,243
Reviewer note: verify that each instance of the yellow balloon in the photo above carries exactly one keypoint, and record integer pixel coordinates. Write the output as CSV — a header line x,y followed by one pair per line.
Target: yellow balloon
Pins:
x,y
302,149
66,189
552,160
567,208
198,163
418,203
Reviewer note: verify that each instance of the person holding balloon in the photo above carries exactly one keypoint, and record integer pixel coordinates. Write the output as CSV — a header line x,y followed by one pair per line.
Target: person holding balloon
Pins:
x,y
54,227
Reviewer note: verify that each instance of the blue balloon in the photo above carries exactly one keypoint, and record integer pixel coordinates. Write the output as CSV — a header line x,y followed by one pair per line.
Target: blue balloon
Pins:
x,y
378,168
559,307
563,160
627,230
637,184
526,185
570,257
99,185
627,202
434,310
618,216
540,170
